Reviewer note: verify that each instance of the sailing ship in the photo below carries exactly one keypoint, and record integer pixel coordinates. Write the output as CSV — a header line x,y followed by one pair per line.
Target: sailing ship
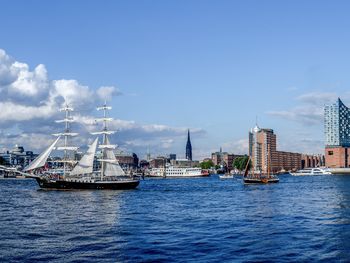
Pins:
x,y
81,174
259,177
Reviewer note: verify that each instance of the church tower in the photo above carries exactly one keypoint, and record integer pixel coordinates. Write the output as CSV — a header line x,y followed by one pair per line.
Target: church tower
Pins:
x,y
188,147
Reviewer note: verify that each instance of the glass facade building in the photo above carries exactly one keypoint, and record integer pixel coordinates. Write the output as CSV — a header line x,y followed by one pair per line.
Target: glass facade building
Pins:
x,y
337,124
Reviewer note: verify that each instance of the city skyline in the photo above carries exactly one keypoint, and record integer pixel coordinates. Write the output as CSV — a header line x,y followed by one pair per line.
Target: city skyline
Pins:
x,y
198,67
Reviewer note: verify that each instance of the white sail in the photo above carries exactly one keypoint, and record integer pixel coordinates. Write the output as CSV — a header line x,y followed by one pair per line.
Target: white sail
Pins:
x,y
107,146
104,119
41,159
66,108
85,165
112,167
65,134
68,148
65,120
104,108
103,132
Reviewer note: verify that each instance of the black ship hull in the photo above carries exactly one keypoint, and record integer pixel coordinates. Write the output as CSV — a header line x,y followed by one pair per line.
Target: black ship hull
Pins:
x,y
260,180
71,185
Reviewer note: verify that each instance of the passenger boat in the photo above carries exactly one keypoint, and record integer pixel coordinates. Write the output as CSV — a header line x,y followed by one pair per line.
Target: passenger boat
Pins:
x,y
177,172
81,174
311,171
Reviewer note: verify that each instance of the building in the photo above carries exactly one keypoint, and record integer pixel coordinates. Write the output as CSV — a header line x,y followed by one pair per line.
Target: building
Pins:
x,y
184,163
127,161
144,164
311,161
337,135
157,162
287,161
18,157
172,156
224,159
263,152
188,147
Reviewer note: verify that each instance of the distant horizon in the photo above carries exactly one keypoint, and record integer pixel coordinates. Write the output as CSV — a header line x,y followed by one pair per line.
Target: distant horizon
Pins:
x,y
172,66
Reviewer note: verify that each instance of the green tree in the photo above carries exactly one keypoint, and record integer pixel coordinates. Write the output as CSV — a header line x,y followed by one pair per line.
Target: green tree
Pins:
x,y
241,162
2,161
207,164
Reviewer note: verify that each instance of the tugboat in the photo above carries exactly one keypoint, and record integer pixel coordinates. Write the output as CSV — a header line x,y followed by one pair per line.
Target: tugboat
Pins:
x,y
259,178
81,175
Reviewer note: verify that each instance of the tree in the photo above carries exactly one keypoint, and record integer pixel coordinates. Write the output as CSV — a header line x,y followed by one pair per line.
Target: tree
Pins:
x,y
2,161
207,164
241,162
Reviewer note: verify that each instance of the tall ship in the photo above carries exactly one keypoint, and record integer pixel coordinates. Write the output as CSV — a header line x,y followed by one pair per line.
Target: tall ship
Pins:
x,y
177,172
81,174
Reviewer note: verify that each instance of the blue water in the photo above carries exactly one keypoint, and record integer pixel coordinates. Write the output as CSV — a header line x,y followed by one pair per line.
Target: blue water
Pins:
x,y
179,220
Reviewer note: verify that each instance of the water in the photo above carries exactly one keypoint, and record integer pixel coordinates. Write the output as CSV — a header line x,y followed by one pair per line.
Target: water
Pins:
x,y
179,220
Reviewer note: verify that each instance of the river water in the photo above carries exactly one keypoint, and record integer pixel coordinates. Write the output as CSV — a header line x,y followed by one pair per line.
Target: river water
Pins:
x,y
179,220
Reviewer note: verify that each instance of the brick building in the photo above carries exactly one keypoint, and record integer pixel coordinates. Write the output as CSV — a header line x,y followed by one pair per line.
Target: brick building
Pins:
x,y
224,158
263,151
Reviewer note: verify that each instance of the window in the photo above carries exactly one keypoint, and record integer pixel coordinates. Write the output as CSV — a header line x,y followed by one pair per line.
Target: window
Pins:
x,y
330,152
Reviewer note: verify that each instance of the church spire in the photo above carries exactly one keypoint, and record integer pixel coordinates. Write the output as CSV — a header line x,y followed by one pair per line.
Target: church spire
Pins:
x,y
188,147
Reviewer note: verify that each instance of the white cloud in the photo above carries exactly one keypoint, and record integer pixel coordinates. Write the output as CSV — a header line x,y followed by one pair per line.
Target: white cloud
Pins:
x,y
107,92
309,108
73,93
12,112
29,103
237,146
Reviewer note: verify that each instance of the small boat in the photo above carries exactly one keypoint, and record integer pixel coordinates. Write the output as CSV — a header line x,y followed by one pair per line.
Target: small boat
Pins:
x,y
81,174
259,178
311,171
226,176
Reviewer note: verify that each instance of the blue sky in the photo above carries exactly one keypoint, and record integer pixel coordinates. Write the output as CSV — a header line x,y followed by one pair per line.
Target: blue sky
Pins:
x,y
211,66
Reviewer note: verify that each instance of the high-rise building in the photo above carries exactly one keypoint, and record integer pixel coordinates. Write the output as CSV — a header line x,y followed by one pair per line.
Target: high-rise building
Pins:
x,y
337,134
337,124
188,147
263,152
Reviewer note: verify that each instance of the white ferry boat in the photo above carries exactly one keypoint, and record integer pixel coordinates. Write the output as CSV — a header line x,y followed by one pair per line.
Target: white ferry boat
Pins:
x,y
311,171
177,172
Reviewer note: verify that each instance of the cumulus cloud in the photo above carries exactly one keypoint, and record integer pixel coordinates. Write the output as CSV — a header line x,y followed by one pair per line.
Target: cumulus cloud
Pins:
x,y
107,92
29,103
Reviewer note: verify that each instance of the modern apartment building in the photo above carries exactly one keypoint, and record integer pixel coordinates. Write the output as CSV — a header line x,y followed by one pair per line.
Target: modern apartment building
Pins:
x,y
263,151
337,134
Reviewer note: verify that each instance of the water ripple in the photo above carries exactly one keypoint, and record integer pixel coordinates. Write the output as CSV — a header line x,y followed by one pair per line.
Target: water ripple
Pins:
x,y
194,220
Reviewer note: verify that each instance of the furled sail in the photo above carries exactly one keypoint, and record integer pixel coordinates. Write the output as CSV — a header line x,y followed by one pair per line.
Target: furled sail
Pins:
x,y
111,168
85,165
41,159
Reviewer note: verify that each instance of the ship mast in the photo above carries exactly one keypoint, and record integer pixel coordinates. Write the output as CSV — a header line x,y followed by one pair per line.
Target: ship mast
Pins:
x,y
66,134
105,146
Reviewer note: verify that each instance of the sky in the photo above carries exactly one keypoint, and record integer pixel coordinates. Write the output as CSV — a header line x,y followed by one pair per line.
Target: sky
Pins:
x,y
213,67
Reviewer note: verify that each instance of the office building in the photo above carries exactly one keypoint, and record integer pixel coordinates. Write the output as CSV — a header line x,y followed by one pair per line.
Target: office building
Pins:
x,y
337,134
